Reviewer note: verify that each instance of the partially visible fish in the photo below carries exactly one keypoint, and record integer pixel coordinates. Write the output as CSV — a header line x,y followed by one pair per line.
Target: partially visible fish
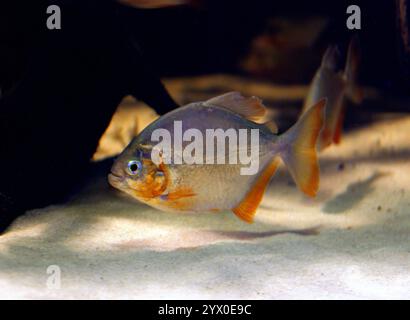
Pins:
x,y
218,187
335,85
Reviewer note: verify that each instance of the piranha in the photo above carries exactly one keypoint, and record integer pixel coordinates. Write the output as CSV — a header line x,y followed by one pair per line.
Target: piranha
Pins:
x,y
335,85
219,187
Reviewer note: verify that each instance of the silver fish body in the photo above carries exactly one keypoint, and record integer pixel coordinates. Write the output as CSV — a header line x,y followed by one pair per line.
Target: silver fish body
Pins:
x,y
211,182
210,185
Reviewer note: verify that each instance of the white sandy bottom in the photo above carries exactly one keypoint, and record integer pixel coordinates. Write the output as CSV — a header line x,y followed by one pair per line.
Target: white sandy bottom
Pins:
x,y
352,241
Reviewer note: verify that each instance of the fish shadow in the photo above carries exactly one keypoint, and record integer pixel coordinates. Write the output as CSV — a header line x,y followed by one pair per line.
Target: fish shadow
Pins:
x,y
247,235
354,193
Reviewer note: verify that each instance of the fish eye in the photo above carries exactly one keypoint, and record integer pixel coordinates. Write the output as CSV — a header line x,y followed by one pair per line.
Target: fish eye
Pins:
x,y
134,167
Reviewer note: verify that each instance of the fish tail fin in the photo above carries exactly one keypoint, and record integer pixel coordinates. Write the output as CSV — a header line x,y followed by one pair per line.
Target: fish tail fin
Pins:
x,y
331,58
353,91
337,135
299,153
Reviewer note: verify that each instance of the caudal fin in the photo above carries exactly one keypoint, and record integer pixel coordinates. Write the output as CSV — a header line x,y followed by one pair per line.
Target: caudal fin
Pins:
x,y
300,152
353,91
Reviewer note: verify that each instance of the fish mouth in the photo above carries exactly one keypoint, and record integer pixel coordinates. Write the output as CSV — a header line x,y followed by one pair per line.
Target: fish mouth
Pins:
x,y
115,181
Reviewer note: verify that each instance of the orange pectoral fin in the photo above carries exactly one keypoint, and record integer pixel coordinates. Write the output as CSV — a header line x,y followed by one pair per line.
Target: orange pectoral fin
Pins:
x,y
247,207
179,194
181,199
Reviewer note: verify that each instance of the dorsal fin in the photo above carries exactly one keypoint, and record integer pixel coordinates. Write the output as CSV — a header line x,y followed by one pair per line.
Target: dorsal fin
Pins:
x,y
272,126
250,108
246,209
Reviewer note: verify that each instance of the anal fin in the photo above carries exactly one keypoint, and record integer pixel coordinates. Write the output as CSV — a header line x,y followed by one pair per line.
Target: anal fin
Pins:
x,y
246,209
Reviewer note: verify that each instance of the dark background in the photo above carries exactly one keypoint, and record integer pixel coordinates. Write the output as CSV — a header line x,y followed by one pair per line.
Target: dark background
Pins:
x,y
206,37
